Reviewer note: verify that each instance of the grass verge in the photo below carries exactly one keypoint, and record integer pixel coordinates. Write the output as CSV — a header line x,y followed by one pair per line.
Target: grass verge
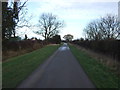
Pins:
x,y
18,68
99,74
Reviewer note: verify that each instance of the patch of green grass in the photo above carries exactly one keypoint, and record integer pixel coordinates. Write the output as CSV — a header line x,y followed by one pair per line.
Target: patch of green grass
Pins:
x,y
99,74
17,69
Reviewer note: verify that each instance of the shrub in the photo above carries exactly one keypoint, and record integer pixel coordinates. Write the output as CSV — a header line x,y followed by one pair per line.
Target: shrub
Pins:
x,y
108,47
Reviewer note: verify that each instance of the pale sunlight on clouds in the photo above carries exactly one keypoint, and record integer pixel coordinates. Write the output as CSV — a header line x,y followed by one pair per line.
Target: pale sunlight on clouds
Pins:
x,y
75,13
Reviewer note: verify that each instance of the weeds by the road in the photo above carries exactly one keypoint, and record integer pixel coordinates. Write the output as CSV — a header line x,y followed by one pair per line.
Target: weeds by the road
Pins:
x,y
100,74
17,69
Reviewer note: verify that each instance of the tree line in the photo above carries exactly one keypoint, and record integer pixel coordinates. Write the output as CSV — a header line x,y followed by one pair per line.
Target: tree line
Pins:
x,y
49,25
102,36
14,17
105,28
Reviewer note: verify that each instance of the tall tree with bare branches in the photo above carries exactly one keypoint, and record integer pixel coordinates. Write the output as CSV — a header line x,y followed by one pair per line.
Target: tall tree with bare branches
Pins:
x,y
107,27
49,25
10,17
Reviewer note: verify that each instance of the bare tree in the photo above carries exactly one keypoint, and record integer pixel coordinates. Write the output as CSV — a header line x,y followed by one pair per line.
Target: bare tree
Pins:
x,y
49,25
23,19
106,28
110,27
17,10
11,17
92,31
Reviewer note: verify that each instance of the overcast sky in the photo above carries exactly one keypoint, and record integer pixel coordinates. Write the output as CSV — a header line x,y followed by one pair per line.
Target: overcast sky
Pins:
x,y
75,13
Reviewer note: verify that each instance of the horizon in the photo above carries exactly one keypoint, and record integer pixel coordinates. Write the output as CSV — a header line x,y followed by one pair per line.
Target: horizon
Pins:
x,y
76,15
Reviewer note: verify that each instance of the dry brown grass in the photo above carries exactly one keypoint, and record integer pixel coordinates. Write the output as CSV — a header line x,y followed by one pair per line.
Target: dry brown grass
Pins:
x,y
113,64
11,53
36,46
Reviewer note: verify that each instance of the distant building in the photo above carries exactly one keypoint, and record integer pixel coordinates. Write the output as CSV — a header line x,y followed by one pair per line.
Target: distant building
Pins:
x,y
119,10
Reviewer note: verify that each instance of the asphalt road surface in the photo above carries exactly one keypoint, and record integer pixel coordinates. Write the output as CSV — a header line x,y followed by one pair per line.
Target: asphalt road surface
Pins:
x,y
61,70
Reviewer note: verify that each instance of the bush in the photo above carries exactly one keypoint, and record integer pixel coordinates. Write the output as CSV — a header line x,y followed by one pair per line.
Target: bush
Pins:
x,y
108,47
18,47
55,39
